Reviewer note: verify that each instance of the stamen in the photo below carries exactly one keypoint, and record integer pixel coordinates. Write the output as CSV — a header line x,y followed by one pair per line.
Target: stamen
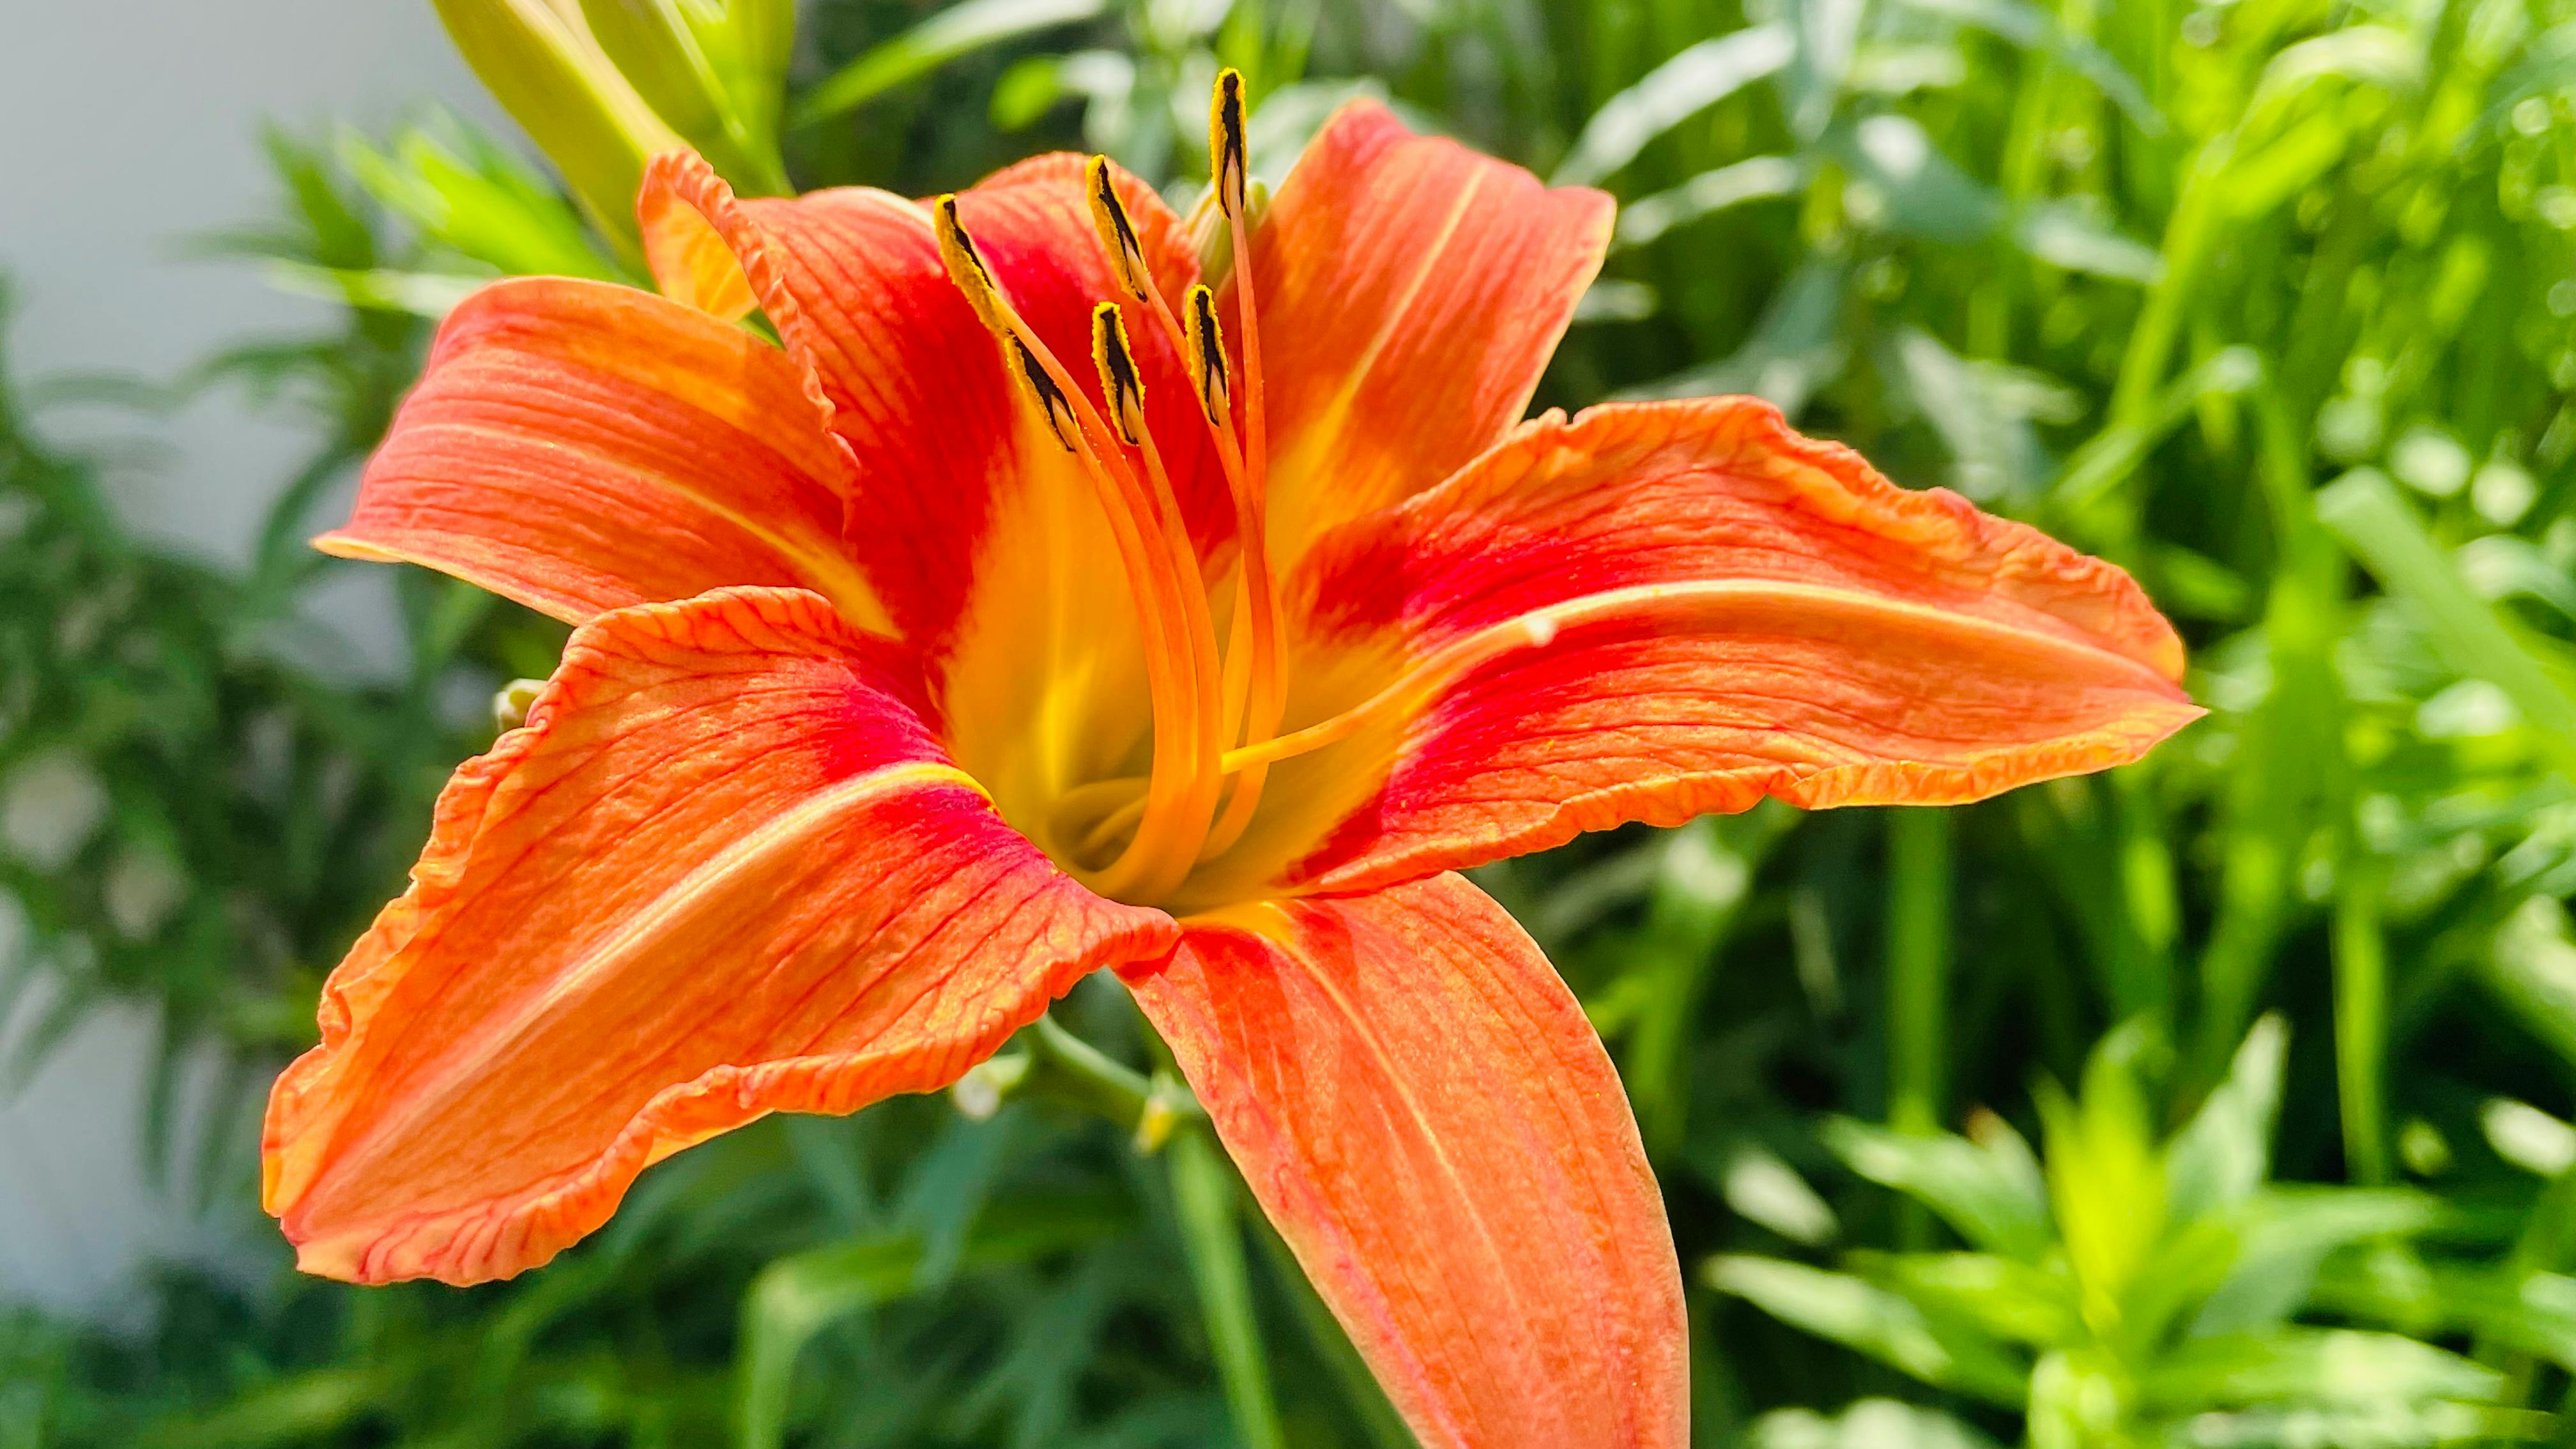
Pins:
x,y
1117,233
966,267
1206,357
1225,146
1267,695
1118,380
1180,645
1253,649
1050,398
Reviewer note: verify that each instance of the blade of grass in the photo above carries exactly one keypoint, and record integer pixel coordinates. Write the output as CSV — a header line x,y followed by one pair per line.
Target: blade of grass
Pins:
x,y
956,31
1918,984
1368,1403
1203,1196
2363,511
2361,1021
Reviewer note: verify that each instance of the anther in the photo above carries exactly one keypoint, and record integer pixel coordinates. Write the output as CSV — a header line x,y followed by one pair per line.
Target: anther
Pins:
x,y
1225,141
1117,233
1119,381
1051,398
966,266
1207,354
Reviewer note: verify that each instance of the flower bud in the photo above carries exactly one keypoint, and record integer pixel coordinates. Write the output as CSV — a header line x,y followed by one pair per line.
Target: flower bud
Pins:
x,y
541,62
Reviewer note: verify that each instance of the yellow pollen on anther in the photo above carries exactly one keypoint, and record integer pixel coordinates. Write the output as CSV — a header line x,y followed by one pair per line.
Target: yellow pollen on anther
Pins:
x,y
966,265
1117,233
1225,143
1206,356
1119,382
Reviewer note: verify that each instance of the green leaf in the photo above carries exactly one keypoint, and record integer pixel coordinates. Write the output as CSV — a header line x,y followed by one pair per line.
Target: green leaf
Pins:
x,y
549,73
1981,417
2530,965
1865,1424
2225,1152
2089,484
1690,82
2284,1235
2031,28
2106,1181
2364,512
2002,1297
1991,1192
484,203
2079,1399
2077,237
1795,350
422,294
1902,182
957,31
1204,1198
2309,1365
1873,1321
293,1410
1703,875
1763,1188
654,45
2334,1366
2381,1426
796,1297
2514,1308
1759,178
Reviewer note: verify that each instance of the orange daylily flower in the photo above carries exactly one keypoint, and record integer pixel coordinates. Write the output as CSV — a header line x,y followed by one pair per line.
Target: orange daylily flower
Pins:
x,y
1037,604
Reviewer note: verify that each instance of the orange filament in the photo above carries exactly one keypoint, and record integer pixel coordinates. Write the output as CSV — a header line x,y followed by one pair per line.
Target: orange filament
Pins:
x,y
1204,700
1124,387
1265,696
1253,646
1254,696
1162,573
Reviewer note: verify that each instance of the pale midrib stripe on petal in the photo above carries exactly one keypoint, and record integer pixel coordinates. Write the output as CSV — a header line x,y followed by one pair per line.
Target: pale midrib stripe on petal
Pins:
x,y
832,575
761,845
1701,604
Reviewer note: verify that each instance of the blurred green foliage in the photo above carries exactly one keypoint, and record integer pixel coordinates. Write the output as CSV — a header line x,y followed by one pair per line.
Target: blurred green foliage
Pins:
x,y
2272,301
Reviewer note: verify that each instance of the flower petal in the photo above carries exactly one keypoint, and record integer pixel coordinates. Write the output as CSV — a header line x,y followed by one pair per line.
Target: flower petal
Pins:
x,y
724,871
581,447
1654,611
948,454
1410,292
1423,1111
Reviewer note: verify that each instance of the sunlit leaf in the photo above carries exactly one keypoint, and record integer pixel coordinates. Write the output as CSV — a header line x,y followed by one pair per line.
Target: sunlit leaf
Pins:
x,y
1875,1322
2339,1366
1671,93
1991,1194
1710,192
961,29
2382,531
1866,1424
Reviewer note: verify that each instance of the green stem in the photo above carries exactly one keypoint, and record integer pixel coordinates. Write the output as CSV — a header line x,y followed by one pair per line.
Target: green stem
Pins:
x,y
1918,967
1203,1195
1383,1427
2361,1020
1055,1066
